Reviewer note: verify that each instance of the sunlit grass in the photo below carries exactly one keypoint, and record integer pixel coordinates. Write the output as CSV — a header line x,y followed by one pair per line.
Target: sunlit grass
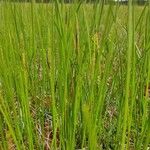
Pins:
x,y
74,76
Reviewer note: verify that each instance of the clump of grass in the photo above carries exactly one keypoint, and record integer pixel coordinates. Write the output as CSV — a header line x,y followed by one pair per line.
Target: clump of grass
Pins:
x,y
74,76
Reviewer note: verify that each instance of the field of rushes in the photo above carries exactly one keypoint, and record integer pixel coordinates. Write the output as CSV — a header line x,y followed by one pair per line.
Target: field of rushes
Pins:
x,y
74,76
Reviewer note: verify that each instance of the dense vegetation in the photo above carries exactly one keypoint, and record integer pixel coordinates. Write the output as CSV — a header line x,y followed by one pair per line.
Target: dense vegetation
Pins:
x,y
74,76
140,2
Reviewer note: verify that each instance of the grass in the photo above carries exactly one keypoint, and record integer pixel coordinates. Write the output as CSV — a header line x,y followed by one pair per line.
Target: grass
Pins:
x,y
74,76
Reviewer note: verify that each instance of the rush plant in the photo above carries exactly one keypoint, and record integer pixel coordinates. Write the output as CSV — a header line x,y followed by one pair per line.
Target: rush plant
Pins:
x,y
74,76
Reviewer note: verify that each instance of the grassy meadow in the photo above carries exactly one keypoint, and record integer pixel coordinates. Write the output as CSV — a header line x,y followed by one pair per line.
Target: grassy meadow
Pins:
x,y
74,76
